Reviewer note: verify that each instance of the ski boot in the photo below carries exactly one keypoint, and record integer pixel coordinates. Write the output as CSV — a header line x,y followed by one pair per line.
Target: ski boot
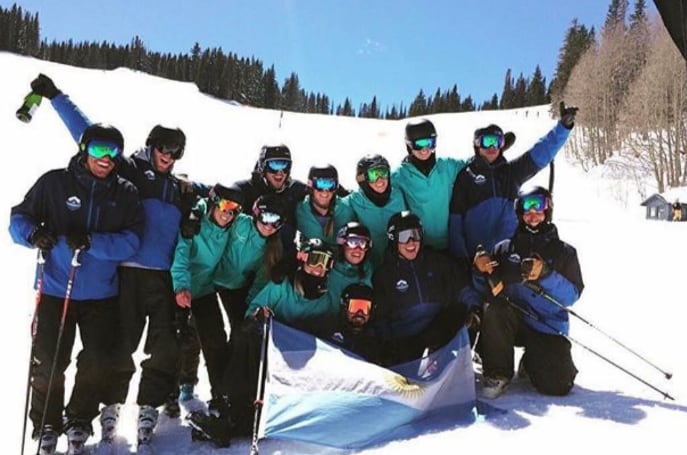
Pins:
x,y
215,426
78,431
147,420
171,407
48,443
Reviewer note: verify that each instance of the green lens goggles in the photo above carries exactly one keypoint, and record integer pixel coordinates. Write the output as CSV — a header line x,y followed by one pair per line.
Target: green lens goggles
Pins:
x,y
377,173
101,149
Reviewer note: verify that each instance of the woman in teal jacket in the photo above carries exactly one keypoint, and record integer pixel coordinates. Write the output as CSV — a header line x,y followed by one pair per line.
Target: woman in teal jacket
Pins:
x,y
322,213
351,265
427,182
374,202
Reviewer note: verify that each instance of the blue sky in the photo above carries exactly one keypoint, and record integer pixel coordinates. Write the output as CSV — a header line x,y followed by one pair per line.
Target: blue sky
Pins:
x,y
354,48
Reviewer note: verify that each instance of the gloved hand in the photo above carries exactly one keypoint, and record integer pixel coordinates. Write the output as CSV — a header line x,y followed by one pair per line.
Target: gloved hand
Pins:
x,y
43,238
567,115
45,87
533,268
79,241
190,226
483,262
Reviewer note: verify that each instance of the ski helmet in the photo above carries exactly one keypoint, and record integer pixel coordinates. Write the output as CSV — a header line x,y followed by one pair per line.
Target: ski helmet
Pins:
x,y
171,140
270,209
402,221
325,172
353,229
316,252
220,192
101,132
273,152
420,129
369,162
507,141
545,195
356,292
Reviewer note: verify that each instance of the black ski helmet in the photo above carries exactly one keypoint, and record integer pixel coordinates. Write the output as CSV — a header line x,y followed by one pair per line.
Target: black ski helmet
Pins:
x,y
420,129
369,162
271,203
232,193
356,291
161,136
323,171
402,221
353,228
508,138
272,152
101,132
316,244
548,212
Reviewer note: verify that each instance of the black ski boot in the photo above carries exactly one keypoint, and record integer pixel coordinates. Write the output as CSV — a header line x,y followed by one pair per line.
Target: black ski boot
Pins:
x,y
215,426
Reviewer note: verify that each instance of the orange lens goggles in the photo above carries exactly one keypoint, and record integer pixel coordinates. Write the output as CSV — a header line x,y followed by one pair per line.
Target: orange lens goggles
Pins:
x,y
227,205
355,305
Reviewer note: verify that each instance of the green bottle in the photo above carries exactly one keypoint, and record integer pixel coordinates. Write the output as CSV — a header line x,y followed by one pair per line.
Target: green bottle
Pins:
x,y
31,103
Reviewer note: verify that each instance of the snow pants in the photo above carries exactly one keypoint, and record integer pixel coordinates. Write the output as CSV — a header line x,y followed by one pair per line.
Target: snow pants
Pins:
x,y
94,319
189,347
145,295
547,359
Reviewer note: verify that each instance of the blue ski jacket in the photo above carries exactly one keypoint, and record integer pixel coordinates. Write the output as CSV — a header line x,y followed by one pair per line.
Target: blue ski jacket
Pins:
x,y
481,208
160,195
72,200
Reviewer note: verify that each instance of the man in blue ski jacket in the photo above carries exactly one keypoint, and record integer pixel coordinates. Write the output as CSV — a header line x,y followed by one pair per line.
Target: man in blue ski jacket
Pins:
x,y
87,208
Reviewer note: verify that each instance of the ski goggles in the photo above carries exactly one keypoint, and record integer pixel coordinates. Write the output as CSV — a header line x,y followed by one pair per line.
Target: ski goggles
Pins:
x,y
270,219
407,235
274,166
376,173
537,202
174,150
356,241
101,149
359,305
324,183
424,143
490,140
319,259
227,205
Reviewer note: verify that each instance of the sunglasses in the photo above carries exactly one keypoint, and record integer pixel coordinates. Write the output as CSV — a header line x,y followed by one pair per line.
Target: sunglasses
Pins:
x,y
227,205
376,173
270,219
324,183
101,149
274,166
359,305
175,151
407,235
355,241
320,259
424,143
490,140
535,202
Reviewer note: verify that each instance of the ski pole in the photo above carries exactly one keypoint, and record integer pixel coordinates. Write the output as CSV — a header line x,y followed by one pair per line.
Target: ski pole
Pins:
x,y
40,260
260,394
65,306
538,318
540,291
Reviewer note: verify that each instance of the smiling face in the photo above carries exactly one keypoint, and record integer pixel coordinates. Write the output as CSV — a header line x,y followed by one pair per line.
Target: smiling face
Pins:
x,y
532,218
409,250
322,200
162,162
489,154
221,217
353,256
99,167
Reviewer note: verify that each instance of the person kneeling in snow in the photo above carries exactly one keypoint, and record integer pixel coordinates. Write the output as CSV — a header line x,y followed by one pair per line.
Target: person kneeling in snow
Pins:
x,y
526,273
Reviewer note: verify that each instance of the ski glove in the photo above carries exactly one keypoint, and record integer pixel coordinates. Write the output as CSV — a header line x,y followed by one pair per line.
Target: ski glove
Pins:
x,y
43,238
483,262
533,268
568,115
190,226
45,87
79,241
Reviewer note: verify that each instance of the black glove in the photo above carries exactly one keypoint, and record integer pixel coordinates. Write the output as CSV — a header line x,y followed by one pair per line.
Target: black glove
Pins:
x,y
79,241
43,238
190,226
45,87
568,115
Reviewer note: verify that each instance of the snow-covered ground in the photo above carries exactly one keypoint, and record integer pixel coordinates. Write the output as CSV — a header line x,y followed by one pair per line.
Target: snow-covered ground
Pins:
x,y
633,268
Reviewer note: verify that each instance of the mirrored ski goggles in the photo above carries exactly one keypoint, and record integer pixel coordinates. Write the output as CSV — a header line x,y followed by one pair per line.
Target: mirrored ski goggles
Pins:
x,y
424,143
359,305
270,219
407,235
324,183
274,166
537,202
376,173
174,150
320,259
356,241
227,205
101,149
490,140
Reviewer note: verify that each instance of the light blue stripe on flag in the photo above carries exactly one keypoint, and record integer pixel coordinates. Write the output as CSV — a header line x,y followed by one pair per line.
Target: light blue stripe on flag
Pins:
x,y
318,393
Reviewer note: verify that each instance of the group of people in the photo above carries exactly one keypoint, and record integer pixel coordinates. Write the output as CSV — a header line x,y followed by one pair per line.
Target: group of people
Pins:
x,y
388,271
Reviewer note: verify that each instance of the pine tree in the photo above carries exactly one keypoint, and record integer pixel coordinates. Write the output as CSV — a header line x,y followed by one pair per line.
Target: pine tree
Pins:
x,y
577,40
536,90
507,96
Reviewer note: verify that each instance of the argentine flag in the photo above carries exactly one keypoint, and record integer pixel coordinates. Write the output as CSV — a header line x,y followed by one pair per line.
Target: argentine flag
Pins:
x,y
321,394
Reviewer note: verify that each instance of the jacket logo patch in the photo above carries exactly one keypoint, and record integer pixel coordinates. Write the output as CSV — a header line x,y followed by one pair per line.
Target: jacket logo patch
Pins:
x,y
150,175
73,203
514,258
480,179
402,285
